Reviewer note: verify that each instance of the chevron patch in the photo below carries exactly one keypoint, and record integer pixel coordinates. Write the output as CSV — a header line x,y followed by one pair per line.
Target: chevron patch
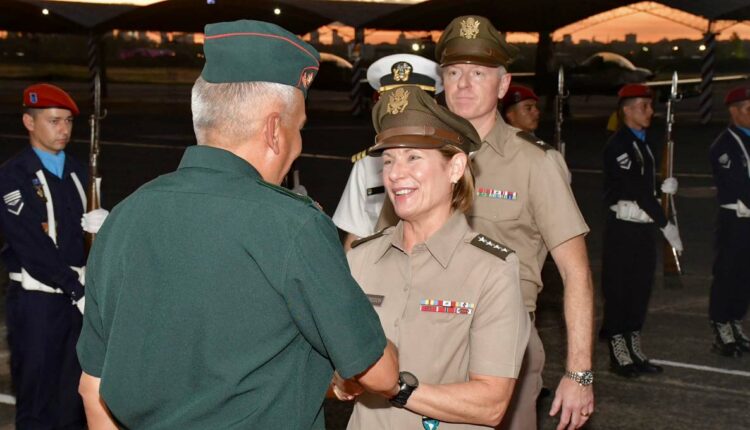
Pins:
x,y
624,161
13,202
725,161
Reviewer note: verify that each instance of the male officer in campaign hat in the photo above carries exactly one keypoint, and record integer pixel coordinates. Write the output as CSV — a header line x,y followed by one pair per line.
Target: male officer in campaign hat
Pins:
x,y
360,204
524,200
519,108
630,233
217,298
41,221
730,289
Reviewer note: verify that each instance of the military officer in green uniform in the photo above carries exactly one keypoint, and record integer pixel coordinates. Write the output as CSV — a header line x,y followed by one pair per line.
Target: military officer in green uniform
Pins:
x,y
216,298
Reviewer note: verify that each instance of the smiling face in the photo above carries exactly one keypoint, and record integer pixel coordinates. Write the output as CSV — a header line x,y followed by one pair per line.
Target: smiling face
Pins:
x,y
49,129
419,182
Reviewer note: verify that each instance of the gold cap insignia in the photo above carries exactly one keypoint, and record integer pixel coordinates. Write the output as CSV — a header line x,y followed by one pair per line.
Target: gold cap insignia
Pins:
x,y
401,71
398,101
307,79
469,28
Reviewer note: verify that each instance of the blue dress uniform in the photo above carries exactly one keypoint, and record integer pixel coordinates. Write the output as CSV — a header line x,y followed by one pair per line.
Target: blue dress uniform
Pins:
x,y
629,255
730,290
44,253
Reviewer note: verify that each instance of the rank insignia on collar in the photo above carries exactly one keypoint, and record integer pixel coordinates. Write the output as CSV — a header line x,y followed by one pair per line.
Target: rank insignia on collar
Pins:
x,y
725,161
469,28
13,202
398,101
485,243
401,71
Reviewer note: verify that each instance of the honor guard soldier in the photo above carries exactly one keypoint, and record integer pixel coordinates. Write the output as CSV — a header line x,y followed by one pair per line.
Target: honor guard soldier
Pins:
x,y
44,203
363,197
216,298
630,232
730,290
523,200
519,108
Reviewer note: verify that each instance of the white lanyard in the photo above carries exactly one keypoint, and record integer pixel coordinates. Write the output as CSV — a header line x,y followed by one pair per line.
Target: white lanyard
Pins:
x,y
742,147
51,221
643,163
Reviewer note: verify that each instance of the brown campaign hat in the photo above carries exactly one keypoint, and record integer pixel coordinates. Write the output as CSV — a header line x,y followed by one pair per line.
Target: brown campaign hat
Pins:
x,y
472,39
408,117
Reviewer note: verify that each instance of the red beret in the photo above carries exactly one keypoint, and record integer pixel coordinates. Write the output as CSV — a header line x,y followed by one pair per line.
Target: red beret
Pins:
x,y
517,94
48,96
635,90
737,95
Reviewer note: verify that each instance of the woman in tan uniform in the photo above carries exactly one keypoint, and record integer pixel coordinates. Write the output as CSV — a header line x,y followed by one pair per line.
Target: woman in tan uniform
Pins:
x,y
449,298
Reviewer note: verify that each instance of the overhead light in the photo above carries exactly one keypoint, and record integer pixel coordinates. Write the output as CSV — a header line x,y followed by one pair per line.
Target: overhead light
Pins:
x,y
415,47
210,1
702,47
645,49
45,11
277,11
675,48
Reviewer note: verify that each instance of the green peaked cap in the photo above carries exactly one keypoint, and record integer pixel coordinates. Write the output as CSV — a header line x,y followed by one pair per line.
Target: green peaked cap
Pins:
x,y
472,39
257,51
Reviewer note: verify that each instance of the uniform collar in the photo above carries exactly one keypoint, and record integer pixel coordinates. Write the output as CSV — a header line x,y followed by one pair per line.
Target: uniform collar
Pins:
x,y
499,135
441,245
741,131
639,134
217,159
54,163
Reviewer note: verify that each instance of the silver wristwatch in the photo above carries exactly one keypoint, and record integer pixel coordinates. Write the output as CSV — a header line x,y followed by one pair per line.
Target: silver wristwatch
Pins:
x,y
584,377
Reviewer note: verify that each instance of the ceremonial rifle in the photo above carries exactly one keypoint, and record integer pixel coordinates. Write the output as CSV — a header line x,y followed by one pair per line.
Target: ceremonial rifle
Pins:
x,y
559,107
93,200
671,258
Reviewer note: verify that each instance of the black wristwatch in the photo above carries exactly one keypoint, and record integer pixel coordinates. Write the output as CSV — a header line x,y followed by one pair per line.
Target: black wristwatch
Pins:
x,y
407,383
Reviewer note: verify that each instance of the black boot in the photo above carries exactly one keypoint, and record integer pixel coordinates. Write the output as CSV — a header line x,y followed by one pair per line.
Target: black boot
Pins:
x,y
724,342
620,361
641,362
743,343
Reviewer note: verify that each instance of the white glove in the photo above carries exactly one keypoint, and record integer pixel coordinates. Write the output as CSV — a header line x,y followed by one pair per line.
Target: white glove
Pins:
x,y
92,221
81,304
672,234
669,186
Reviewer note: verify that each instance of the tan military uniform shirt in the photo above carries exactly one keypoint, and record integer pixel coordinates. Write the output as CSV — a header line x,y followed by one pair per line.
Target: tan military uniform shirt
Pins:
x,y
524,201
483,329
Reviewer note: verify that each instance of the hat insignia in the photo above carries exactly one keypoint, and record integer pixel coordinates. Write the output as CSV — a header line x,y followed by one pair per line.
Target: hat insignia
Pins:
x,y
401,71
307,79
33,98
469,28
398,101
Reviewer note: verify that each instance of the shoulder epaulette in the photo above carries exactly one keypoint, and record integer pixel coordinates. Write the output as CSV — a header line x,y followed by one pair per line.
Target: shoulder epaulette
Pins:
x,y
286,192
358,242
358,156
495,248
539,143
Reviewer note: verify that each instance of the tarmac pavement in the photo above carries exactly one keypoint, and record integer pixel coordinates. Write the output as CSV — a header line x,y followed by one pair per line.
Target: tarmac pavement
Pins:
x,y
148,127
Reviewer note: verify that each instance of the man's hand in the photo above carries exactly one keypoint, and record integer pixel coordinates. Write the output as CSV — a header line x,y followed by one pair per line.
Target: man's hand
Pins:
x,y
92,221
672,234
345,389
669,186
576,403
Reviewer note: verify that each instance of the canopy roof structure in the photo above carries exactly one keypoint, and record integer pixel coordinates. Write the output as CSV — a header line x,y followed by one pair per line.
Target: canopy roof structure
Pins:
x,y
19,15
193,15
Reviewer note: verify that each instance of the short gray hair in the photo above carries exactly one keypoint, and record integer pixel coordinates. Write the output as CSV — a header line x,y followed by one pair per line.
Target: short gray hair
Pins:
x,y
236,109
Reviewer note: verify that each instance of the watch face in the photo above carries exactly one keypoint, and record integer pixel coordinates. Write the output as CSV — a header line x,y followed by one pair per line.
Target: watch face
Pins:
x,y
409,379
587,378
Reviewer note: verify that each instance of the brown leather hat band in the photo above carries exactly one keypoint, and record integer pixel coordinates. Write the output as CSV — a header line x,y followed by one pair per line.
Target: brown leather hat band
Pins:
x,y
427,131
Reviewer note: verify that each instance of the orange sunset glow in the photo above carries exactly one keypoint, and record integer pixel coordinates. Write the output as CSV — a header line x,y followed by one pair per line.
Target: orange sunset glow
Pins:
x,y
612,26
